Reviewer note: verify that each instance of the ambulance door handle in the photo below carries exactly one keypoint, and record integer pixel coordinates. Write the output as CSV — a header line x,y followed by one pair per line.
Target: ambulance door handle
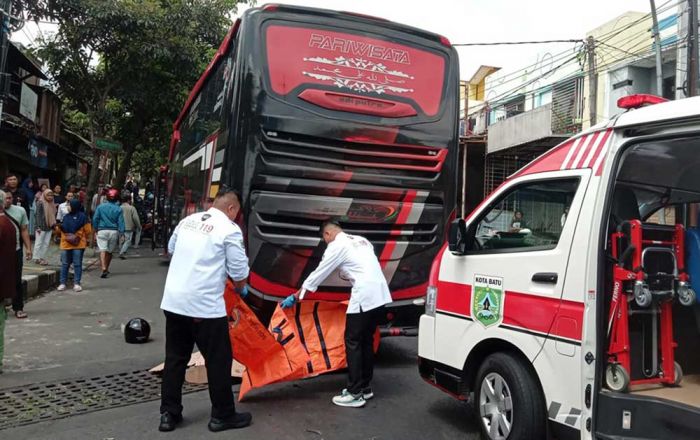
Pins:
x,y
545,277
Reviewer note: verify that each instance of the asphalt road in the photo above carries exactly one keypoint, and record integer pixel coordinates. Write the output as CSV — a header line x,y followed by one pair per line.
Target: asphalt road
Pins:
x,y
72,335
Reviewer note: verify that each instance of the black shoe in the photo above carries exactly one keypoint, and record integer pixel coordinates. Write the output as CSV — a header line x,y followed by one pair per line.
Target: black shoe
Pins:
x,y
105,274
239,420
122,257
168,421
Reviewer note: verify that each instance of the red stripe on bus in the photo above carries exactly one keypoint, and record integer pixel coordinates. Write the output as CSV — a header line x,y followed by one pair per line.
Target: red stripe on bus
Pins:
x,y
527,311
406,206
281,291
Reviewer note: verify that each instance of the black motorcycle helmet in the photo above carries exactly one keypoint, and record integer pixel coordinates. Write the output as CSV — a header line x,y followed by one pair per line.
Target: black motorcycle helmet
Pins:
x,y
137,331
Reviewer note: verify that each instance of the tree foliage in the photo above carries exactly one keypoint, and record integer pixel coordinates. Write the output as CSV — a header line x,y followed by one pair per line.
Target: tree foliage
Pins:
x,y
127,65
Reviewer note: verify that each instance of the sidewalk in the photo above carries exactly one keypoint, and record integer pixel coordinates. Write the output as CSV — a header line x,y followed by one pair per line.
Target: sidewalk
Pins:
x,y
70,334
37,279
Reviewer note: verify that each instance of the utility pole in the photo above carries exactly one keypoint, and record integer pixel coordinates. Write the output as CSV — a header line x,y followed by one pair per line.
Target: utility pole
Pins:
x,y
657,43
592,80
693,48
4,46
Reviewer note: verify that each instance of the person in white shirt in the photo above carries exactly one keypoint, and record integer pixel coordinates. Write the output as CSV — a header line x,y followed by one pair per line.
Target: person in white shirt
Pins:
x,y
206,248
64,208
354,257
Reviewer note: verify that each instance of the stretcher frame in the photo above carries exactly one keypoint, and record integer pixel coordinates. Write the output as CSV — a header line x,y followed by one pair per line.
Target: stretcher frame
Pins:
x,y
619,348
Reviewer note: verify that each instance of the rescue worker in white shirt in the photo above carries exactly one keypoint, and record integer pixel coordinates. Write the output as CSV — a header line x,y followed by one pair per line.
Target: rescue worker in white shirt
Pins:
x,y
206,248
354,257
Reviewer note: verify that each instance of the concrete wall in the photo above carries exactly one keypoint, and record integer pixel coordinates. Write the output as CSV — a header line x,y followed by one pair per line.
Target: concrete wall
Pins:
x,y
525,127
626,33
643,81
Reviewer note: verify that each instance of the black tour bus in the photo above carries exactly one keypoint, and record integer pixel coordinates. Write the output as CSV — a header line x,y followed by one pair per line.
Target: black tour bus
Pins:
x,y
313,114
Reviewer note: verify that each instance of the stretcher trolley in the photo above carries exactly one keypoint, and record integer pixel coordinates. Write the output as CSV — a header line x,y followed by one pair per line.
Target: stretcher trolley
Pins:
x,y
649,274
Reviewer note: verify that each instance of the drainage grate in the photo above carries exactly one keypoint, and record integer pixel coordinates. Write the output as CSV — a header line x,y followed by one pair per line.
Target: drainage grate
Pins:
x,y
48,401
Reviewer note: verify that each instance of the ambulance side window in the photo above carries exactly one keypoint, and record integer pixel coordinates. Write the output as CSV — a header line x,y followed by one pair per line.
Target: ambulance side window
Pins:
x,y
529,217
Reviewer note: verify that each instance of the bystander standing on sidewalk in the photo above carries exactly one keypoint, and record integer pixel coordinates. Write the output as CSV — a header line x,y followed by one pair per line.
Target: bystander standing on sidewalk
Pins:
x,y
108,221
99,197
12,186
28,189
75,233
44,222
8,245
58,195
32,213
131,223
18,216
64,207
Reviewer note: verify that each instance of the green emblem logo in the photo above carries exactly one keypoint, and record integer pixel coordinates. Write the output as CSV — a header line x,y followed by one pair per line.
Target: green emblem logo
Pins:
x,y
487,300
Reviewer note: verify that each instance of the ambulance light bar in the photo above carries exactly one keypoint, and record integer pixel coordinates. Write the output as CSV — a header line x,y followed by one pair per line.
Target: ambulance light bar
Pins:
x,y
640,100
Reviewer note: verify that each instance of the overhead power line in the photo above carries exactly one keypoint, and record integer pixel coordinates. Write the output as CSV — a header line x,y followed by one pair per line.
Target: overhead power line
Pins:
x,y
512,43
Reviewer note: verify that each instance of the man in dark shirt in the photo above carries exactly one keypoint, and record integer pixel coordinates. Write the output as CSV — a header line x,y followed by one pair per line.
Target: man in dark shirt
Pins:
x,y
58,197
12,186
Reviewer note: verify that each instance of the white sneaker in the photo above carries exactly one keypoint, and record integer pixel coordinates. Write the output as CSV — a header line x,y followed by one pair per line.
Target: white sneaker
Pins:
x,y
367,393
61,288
348,400
77,288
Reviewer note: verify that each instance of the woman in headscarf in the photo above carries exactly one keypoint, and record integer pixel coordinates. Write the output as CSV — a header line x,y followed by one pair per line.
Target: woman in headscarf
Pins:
x,y
75,232
8,247
44,222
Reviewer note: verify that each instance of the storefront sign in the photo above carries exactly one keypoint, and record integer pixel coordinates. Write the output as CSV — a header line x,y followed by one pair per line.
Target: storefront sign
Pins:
x,y
28,102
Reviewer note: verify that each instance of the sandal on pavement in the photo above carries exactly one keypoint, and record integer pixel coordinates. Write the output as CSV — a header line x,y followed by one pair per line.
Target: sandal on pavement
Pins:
x,y
20,314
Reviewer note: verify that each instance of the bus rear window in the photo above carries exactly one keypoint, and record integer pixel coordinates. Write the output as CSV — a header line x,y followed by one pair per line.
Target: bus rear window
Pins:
x,y
385,73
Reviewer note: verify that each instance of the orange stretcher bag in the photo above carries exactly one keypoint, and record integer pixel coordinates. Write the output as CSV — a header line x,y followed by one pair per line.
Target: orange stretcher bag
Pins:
x,y
303,341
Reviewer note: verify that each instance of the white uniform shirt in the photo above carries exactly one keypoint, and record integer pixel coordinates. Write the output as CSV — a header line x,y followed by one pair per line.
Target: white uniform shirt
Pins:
x,y
205,248
354,257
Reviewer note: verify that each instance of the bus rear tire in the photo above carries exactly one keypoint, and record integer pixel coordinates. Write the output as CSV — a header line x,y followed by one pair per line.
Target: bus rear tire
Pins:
x,y
508,400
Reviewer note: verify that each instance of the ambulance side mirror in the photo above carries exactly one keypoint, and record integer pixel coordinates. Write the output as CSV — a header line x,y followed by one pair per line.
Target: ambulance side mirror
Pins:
x,y
458,237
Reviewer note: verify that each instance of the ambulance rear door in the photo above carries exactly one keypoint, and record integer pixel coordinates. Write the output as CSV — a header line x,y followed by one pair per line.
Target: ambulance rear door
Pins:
x,y
508,285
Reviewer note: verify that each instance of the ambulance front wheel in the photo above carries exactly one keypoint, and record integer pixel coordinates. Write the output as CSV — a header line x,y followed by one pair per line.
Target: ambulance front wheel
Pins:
x,y
616,378
508,400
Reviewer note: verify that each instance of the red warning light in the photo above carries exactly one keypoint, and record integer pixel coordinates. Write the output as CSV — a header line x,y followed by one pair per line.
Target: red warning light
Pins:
x,y
640,100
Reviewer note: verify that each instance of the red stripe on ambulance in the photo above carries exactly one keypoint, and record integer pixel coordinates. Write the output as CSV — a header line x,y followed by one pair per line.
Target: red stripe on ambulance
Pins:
x,y
528,312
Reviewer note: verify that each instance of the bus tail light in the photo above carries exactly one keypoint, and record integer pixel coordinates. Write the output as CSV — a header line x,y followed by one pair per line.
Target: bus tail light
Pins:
x,y
445,41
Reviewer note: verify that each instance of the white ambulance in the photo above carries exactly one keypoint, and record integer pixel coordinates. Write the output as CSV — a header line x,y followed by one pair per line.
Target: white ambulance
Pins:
x,y
563,305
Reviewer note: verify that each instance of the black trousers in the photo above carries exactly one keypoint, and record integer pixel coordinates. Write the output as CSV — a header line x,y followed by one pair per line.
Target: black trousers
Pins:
x,y
211,337
359,340
18,299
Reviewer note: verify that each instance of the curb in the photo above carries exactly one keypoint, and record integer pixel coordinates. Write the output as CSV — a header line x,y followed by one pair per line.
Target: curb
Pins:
x,y
34,285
